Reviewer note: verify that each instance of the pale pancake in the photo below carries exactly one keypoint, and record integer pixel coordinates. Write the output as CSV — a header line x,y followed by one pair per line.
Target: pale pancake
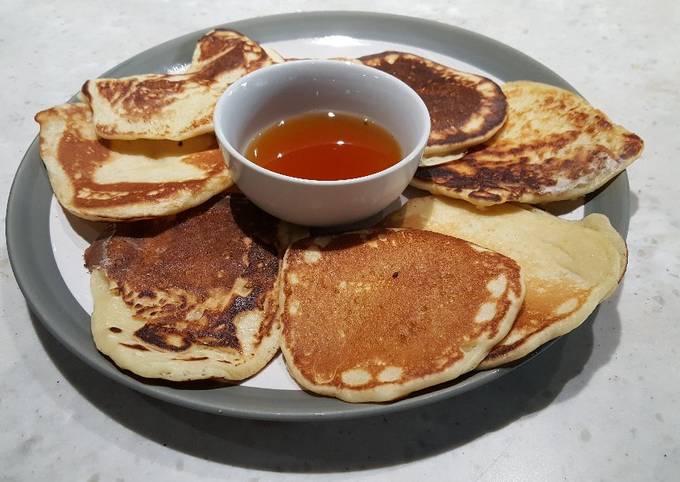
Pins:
x,y
189,297
443,159
465,109
376,315
569,266
99,179
554,146
174,106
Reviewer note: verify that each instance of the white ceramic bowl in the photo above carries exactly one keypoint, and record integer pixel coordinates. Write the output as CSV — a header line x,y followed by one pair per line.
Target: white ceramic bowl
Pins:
x,y
277,92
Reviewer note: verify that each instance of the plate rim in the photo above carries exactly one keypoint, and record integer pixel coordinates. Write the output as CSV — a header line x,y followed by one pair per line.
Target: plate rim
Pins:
x,y
19,205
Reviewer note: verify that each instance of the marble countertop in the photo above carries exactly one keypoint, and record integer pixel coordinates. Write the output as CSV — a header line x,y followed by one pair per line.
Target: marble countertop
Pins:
x,y
601,404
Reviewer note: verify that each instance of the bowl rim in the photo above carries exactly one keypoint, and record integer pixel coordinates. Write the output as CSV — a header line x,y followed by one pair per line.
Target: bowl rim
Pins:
x,y
280,69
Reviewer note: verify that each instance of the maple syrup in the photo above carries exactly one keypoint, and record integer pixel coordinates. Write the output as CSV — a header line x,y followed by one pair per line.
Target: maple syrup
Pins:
x,y
324,146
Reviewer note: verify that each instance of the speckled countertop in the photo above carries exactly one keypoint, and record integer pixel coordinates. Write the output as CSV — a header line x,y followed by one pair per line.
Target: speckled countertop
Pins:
x,y
601,404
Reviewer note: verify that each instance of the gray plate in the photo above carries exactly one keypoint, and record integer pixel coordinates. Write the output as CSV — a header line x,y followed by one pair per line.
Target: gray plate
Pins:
x,y
28,238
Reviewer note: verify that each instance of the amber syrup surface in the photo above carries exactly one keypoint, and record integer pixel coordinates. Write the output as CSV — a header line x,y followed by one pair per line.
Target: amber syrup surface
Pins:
x,y
324,146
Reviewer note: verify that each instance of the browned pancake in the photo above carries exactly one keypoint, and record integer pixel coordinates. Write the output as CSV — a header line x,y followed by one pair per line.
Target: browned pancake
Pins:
x,y
174,106
569,266
191,296
375,315
102,180
465,109
554,146
215,43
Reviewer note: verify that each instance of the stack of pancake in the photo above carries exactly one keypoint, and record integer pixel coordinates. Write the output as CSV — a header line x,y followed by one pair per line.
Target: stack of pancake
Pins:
x,y
523,142
143,146
193,283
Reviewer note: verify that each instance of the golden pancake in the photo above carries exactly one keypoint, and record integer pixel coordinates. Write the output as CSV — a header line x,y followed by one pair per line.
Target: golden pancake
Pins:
x,y
98,179
174,106
569,266
189,297
375,315
465,109
554,146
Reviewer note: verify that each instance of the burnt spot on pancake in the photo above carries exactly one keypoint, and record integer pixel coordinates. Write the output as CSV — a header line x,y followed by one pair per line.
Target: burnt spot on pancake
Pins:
x,y
462,106
499,173
632,146
239,55
485,181
215,43
190,276
135,346
111,92
147,96
115,329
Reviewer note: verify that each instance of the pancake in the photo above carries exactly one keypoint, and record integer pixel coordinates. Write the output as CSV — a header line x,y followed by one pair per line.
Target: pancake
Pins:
x,y
554,146
569,266
217,42
375,315
174,106
189,297
101,180
443,159
465,109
